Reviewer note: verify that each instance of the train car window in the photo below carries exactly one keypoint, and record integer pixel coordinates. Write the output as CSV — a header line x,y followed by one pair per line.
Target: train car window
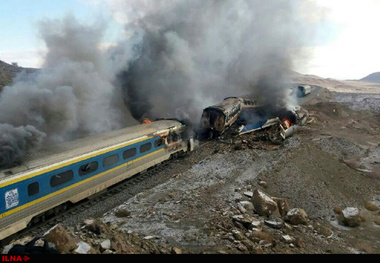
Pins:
x,y
88,168
145,147
33,189
110,160
159,142
61,178
129,153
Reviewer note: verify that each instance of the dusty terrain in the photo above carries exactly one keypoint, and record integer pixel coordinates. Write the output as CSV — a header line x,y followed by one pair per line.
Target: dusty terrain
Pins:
x,y
204,203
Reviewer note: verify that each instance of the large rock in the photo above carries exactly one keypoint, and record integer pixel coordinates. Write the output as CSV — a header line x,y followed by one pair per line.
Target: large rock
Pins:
x,y
62,240
297,216
275,223
350,216
283,206
105,245
264,204
84,248
247,205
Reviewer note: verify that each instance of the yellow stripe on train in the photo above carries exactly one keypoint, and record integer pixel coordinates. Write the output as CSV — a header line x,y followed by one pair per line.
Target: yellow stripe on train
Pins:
x,y
77,184
72,161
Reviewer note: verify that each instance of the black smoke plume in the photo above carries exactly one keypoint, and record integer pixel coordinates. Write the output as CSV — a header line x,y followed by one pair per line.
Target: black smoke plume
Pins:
x,y
15,142
195,53
72,96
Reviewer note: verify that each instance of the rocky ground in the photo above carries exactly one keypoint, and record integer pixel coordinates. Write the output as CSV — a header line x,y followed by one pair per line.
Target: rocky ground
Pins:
x,y
317,193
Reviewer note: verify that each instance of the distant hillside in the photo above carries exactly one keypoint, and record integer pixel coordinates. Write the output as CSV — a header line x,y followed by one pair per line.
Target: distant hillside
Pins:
x,y
8,72
374,77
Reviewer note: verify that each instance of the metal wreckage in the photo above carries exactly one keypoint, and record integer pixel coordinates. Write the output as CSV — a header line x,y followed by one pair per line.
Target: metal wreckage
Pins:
x,y
237,116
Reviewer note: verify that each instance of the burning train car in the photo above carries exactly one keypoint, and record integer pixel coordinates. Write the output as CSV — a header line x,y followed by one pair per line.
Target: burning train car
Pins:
x,y
277,126
216,119
243,116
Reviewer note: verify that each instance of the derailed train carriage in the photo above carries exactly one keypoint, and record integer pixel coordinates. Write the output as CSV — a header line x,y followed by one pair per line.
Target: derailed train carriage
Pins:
x,y
218,118
49,180
277,126
242,115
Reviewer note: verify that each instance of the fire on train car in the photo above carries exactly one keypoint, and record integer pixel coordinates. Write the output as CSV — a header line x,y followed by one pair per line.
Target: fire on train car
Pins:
x,y
47,181
216,119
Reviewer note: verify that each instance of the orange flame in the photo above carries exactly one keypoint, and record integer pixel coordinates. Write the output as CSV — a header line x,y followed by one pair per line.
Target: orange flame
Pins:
x,y
146,121
286,124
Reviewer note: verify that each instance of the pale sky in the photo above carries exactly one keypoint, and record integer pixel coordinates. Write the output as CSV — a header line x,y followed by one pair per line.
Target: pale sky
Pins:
x,y
354,49
348,46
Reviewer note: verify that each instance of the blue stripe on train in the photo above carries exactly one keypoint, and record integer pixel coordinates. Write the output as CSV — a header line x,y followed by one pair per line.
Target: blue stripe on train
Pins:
x,y
15,195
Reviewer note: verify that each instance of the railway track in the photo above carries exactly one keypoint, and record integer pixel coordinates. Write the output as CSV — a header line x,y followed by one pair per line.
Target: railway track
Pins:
x,y
64,212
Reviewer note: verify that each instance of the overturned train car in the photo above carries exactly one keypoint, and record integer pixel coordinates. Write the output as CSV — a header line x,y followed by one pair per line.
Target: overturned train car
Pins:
x,y
278,128
218,118
241,116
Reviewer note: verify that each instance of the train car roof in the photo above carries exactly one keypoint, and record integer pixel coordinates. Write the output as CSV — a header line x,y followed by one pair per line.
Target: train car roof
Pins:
x,y
226,105
67,150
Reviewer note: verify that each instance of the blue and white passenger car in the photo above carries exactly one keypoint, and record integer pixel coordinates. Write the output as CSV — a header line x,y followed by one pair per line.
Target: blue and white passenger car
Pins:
x,y
67,173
